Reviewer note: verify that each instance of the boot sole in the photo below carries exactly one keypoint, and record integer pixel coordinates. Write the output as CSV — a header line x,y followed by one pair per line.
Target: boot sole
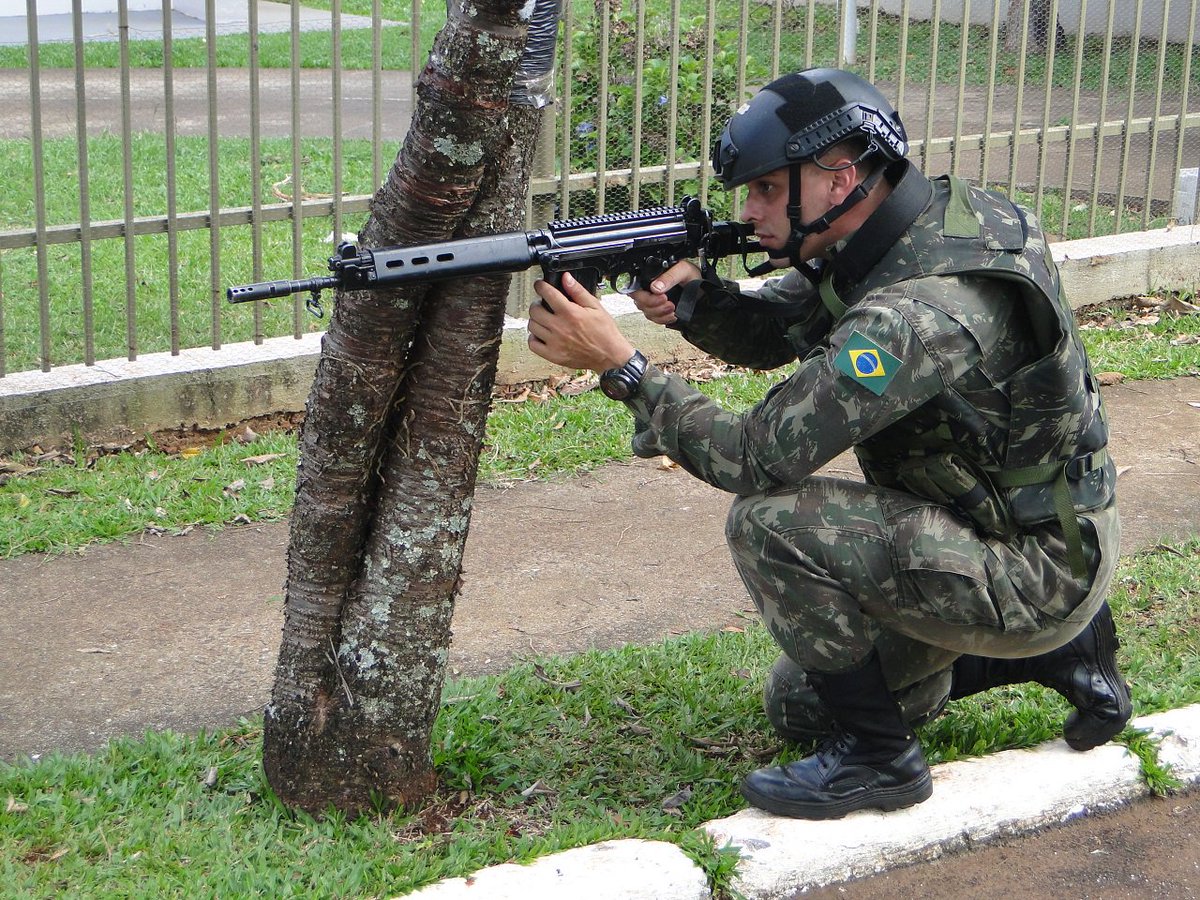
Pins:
x,y
884,799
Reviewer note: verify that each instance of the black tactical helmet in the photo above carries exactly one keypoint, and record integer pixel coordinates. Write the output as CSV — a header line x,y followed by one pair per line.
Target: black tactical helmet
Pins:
x,y
797,116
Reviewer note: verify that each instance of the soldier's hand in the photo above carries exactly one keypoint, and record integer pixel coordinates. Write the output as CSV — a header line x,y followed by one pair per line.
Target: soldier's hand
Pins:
x,y
572,329
653,300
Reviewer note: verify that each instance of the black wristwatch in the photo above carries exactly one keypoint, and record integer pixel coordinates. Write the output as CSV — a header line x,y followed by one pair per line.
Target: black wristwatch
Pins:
x,y
620,383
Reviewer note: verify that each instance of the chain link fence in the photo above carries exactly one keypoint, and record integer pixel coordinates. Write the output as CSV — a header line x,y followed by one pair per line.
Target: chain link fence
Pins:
x,y
157,157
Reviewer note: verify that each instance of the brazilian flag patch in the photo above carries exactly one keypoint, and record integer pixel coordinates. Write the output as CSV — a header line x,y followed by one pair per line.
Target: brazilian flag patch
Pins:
x,y
867,363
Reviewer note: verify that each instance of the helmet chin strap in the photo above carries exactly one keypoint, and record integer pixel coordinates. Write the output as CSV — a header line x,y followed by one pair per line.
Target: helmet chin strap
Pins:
x,y
791,249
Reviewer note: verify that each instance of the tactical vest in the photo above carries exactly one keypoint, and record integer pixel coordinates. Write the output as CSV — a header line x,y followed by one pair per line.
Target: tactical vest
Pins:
x,y
1056,464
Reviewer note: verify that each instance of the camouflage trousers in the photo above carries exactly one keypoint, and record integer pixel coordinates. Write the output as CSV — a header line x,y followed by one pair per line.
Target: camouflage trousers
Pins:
x,y
838,568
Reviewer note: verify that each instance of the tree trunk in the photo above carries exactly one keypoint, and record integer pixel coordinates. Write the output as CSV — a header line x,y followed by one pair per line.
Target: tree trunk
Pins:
x,y
390,446
1041,29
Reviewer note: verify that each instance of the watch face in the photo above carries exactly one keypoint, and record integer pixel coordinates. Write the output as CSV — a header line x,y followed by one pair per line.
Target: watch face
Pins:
x,y
615,386
619,384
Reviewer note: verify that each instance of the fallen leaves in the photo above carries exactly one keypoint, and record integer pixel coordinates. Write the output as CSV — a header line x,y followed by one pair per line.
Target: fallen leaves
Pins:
x,y
673,805
569,385
262,459
1139,312
540,673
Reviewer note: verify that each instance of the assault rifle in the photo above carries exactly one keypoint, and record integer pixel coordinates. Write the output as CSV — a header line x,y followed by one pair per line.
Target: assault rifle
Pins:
x,y
628,249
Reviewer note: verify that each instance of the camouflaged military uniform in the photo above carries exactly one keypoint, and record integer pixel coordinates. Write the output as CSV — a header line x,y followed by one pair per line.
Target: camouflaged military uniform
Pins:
x,y
941,349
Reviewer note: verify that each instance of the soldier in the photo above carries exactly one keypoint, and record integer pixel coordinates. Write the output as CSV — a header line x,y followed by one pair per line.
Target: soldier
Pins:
x,y
933,337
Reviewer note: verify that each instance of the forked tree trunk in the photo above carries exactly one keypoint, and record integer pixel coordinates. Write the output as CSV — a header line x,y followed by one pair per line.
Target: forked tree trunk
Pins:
x,y
390,446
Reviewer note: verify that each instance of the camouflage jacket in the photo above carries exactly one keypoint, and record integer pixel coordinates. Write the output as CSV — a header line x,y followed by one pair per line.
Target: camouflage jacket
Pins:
x,y
946,360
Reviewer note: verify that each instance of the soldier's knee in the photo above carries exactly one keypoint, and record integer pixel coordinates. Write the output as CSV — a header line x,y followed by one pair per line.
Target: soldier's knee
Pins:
x,y
752,521
792,706
741,524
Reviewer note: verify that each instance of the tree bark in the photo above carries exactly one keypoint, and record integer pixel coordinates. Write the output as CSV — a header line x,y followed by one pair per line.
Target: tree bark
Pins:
x,y
389,449
1041,29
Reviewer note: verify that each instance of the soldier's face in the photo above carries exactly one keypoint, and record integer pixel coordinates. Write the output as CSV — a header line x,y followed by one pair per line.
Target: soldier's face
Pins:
x,y
766,204
766,208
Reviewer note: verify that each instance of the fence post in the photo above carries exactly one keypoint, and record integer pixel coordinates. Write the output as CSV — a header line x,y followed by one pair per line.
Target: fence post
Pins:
x,y
848,51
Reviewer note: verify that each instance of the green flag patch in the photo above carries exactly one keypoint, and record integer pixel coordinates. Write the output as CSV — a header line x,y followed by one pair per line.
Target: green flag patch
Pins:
x,y
867,363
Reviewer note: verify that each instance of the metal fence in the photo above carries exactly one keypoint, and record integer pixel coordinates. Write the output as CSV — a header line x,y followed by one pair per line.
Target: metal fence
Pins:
x,y
153,157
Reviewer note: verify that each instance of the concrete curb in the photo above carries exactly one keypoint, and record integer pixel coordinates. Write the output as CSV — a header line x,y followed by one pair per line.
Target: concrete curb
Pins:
x,y
1006,794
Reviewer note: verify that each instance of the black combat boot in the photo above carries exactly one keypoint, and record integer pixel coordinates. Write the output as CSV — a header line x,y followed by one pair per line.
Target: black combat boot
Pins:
x,y
872,762
1083,670
797,713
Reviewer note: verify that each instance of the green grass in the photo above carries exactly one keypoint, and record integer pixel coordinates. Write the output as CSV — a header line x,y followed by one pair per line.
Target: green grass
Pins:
x,y
155,325
609,735
65,504
1139,348
275,50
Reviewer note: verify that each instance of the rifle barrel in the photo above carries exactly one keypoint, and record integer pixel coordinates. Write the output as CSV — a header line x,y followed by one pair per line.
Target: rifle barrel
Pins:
x,y
267,290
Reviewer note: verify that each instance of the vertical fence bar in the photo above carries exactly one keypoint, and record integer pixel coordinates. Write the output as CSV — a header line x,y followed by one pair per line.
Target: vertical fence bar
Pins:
x,y
3,353
376,94
415,62
990,94
1181,128
1018,103
1154,126
1069,169
743,53
739,96
171,176
935,36
847,34
85,199
604,14
639,68
39,182
297,208
902,52
335,16
1047,97
568,55
964,39
706,120
809,33
1105,71
214,182
776,34
256,244
872,40
131,337
673,102
1135,40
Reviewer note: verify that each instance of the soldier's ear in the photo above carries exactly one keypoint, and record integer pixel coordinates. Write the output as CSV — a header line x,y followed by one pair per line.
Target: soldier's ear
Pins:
x,y
843,181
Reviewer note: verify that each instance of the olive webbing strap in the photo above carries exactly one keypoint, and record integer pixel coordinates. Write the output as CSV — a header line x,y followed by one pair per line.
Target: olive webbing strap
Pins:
x,y
829,296
1064,508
